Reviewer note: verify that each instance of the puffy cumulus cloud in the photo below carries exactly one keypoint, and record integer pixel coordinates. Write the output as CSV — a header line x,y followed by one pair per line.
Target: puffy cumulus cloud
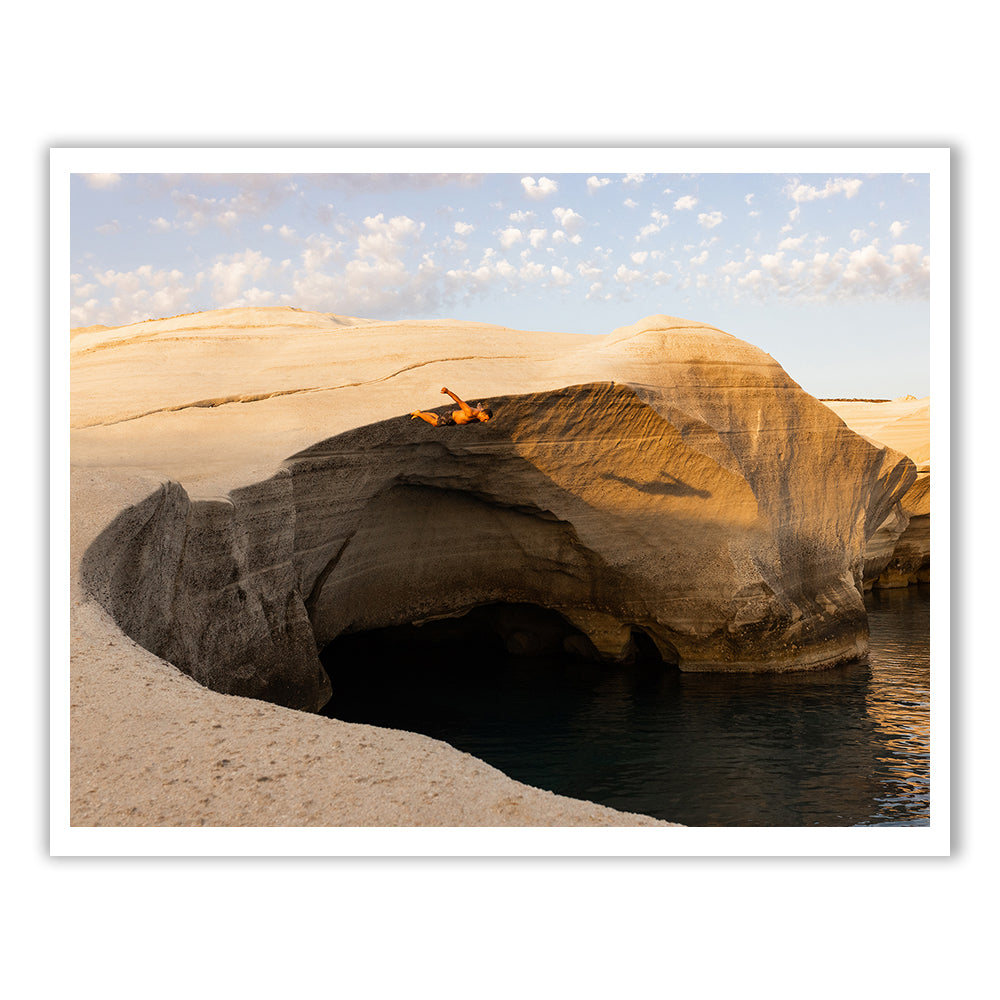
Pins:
x,y
464,228
509,236
862,273
383,240
659,221
365,286
639,257
321,252
387,272
559,278
160,225
634,179
629,203
541,188
700,258
286,232
685,203
710,219
897,229
799,192
594,184
791,243
627,276
109,228
102,182
569,221
536,237
229,275
121,297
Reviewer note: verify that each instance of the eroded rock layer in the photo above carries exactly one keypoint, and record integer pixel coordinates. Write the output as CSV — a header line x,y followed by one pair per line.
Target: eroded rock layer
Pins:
x,y
707,502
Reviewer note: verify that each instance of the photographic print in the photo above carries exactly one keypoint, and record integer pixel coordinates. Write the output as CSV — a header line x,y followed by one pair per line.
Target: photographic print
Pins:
x,y
535,501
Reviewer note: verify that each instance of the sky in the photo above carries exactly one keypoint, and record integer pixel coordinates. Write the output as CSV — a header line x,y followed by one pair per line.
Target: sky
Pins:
x,y
827,272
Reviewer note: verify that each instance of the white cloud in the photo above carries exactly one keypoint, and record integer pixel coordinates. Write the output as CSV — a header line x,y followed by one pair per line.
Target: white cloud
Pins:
x,y
541,188
629,203
626,276
464,228
791,243
897,229
560,278
857,235
384,241
287,232
749,198
594,184
132,296
639,257
508,237
701,258
635,179
161,225
102,182
109,228
806,192
570,221
709,219
862,273
536,237
685,202
228,276
659,221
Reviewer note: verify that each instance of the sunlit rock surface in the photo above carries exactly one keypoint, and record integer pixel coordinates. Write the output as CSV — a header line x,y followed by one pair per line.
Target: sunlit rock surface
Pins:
x,y
899,554
666,478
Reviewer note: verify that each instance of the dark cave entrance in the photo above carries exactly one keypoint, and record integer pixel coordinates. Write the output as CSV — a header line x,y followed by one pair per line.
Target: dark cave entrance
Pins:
x,y
498,674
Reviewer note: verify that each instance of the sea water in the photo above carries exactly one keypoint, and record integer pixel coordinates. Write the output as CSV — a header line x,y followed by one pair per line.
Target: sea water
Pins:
x,y
846,746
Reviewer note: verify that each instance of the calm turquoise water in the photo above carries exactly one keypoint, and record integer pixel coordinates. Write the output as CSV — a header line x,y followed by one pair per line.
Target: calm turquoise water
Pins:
x,y
843,747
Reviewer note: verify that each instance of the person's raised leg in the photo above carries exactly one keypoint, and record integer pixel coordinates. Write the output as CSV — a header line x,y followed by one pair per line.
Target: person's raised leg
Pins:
x,y
431,418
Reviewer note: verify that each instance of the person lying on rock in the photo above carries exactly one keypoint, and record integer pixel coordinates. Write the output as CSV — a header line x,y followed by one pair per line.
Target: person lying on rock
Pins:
x,y
466,415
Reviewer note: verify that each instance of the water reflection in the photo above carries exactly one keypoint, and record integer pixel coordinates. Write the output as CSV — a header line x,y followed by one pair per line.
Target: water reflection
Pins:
x,y
842,747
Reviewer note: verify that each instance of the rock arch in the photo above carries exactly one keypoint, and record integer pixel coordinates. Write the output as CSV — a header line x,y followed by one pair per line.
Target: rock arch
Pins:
x,y
622,514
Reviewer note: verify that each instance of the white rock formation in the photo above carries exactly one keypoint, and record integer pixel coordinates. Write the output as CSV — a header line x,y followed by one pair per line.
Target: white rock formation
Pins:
x,y
667,478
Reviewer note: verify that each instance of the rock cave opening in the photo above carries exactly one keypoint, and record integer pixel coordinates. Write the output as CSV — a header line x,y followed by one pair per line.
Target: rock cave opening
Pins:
x,y
485,676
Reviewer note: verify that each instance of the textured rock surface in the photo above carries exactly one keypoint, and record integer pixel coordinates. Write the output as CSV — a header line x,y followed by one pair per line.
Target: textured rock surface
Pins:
x,y
667,477
899,554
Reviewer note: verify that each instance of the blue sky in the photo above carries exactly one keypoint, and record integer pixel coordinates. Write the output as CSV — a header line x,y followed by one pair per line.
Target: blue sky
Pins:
x,y
829,272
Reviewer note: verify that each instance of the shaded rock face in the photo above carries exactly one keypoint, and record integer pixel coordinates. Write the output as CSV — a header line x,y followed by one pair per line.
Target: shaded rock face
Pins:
x,y
728,527
909,561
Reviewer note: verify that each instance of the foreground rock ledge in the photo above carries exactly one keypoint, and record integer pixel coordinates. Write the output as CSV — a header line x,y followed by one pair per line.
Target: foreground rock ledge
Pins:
x,y
718,509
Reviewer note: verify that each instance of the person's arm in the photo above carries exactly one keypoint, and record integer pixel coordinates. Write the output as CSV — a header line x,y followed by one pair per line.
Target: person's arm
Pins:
x,y
466,409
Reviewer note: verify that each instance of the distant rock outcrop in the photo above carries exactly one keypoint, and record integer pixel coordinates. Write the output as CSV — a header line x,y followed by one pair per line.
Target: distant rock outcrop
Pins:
x,y
899,553
687,492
